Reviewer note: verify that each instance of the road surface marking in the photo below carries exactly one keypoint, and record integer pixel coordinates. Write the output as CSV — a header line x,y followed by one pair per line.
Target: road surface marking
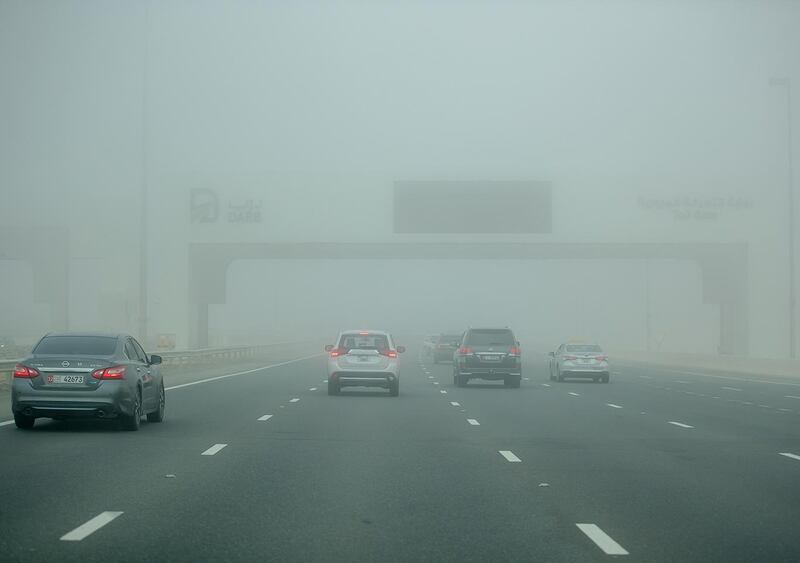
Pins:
x,y
436,383
217,378
747,403
454,404
574,394
473,422
545,385
785,410
265,417
509,455
214,449
764,406
791,456
645,377
732,388
442,391
715,397
312,389
681,381
613,406
294,400
791,397
601,539
91,526
430,377
680,424
6,422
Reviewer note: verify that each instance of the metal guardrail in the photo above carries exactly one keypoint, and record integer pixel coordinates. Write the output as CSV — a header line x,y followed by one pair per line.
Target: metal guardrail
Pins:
x,y
184,357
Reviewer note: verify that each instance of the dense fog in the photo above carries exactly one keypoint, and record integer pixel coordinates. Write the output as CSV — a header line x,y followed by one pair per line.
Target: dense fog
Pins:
x,y
205,174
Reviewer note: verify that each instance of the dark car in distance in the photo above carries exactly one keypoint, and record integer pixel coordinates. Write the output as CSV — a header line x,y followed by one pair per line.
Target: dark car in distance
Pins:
x,y
95,375
491,354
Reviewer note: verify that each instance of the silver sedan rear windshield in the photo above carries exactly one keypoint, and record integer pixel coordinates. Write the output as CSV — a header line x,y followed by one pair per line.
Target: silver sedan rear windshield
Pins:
x,y
77,345
584,348
364,342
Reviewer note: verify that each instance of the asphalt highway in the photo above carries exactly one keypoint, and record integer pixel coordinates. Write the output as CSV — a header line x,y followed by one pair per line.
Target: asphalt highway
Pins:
x,y
658,465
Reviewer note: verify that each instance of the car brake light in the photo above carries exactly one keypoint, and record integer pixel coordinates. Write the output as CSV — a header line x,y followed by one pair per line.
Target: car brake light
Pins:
x,y
515,351
601,358
570,358
24,372
388,353
464,351
363,333
116,372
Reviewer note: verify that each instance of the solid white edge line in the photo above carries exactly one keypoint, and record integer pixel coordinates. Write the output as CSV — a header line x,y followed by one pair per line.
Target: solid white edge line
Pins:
x,y
613,406
6,422
509,455
602,539
218,377
792,456
732,388
682,425
791,397
214,449
729,378
265,417
91,526
473,422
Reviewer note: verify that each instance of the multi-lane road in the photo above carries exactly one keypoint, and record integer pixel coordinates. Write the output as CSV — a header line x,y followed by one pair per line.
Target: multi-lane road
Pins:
x,y
659,465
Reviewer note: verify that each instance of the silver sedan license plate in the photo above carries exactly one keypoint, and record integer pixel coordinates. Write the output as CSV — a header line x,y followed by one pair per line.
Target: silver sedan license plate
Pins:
x,y
69,379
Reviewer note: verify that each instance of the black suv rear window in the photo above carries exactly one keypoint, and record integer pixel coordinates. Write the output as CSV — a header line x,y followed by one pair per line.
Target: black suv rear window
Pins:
x,y
77,345
490,337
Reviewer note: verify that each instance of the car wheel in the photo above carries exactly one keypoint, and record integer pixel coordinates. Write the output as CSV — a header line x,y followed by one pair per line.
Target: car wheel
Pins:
x,y
158,415
333,388
394,389
605,379
24,422
559,376
462,380
133,421
512,381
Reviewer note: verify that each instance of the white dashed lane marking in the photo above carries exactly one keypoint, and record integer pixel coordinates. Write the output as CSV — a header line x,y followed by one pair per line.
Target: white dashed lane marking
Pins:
x,y
473,422
455,404
442,391
214,449
294,400
682,425
601,539
91,526
265,417
790,456
574,394
312,389
613,406
791,397
509,455
731,388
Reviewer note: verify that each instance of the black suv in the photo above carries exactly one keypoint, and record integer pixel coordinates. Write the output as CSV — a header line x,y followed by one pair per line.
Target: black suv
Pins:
x,y
488,353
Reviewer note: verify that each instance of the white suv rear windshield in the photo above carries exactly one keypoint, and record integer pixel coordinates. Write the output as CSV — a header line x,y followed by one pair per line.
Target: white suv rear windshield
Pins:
x,y
364,342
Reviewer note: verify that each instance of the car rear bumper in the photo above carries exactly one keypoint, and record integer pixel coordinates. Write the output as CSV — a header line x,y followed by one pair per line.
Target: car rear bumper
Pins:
x,y
584,373
363,379
94,404
490,374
